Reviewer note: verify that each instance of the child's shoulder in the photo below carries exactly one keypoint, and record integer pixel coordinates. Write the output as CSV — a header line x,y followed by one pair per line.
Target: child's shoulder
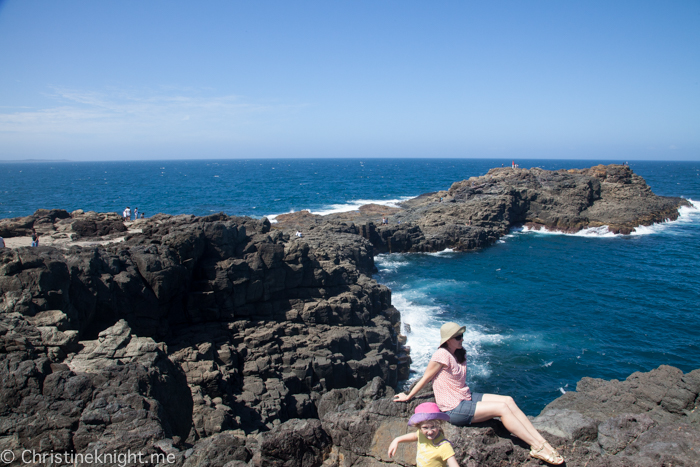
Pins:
x,y
440,440
437,442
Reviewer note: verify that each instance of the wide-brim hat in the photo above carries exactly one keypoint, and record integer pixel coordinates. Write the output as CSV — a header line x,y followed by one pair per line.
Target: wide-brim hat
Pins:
x,y
427,411
449,330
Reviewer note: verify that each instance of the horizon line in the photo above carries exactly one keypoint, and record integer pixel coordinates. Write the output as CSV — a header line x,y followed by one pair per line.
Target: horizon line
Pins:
x,y
31,160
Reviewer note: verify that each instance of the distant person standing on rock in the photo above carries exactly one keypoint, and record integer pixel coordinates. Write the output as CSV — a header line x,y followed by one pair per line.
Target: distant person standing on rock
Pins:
x,y
136,213
448,371
35,238
127,214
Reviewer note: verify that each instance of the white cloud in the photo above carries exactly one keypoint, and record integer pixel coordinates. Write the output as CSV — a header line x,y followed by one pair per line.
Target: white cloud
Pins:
x,y
120,113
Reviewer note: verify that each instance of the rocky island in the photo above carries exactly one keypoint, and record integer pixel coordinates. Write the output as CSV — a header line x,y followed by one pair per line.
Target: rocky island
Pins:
x,y
230,341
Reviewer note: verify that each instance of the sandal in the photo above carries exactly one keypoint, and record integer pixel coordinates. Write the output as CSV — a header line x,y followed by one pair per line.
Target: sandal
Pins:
x,y
551,456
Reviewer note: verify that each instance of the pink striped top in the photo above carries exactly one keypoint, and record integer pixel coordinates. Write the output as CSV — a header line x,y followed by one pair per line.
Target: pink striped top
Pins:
x,y
449,385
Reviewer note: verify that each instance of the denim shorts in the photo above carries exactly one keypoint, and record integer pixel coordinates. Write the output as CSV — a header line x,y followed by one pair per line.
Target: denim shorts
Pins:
x,y
462,414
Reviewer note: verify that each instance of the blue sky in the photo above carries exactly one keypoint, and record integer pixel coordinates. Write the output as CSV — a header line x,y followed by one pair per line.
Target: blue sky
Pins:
x,y
108,80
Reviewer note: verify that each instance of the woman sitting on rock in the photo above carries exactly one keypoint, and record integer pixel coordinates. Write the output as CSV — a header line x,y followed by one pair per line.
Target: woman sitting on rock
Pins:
x,y
448,370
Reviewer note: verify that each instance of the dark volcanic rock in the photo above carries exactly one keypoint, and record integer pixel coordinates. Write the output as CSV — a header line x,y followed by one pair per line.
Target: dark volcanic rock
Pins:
x,y
59,224
474,213
128,395
42,220
477,211
226,341
651,419
193,328
296,443
92,224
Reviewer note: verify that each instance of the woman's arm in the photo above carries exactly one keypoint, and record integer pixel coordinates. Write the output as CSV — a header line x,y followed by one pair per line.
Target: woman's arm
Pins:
x,y
452,462
430,372
408,437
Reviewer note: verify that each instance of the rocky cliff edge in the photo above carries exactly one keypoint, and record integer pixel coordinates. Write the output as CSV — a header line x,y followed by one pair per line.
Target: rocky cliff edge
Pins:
x,y
474,213
212,341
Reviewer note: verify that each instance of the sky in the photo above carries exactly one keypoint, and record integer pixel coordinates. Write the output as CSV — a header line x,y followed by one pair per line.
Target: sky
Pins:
x,y
125,80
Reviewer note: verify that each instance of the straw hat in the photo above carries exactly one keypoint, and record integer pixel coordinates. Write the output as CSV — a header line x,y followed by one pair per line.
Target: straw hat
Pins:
x,y
449,330
427,411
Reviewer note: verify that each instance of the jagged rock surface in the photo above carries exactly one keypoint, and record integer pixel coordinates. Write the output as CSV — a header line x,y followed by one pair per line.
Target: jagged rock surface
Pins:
x,y
227,341
194,327
650,419
474,213
59,224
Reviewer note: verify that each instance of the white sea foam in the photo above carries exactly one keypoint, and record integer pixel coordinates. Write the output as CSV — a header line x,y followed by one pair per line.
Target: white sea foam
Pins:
x,y
352,205
422,328
649,229
390,261
444,252
685,215
273,217
589,232
689,214
515,231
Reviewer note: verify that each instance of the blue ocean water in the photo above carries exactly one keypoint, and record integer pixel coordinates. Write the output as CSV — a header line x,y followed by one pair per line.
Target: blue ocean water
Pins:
x,y
541,310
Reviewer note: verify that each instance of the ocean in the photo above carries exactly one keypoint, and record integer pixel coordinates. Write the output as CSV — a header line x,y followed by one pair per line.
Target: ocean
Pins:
x,y
542,310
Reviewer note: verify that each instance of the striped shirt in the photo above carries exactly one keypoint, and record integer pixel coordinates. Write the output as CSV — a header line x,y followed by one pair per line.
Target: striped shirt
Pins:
x,y
449,385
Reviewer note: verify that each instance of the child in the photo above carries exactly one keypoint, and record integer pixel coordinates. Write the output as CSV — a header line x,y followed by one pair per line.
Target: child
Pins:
x,y
433,449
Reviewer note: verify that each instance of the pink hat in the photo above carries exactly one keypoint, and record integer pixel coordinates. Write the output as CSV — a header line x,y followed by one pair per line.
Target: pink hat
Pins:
x,y
427,411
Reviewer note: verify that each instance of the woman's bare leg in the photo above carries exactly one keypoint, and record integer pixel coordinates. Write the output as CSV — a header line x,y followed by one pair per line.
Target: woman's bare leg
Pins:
x,y
511,416
518,413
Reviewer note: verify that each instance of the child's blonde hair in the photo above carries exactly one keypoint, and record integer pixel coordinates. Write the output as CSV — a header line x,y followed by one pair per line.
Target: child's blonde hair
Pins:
x,y
438,423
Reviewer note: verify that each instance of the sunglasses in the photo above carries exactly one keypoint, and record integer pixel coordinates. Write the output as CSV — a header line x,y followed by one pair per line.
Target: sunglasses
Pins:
x,y
459,338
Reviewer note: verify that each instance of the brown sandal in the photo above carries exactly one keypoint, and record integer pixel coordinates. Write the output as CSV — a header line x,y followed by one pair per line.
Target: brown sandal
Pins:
x,y
551,456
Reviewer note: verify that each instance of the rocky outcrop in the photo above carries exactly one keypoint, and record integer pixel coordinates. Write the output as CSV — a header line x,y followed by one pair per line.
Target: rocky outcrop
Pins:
x,y
42,220
117,393
59,224
474,213
191,328
221,340
650,419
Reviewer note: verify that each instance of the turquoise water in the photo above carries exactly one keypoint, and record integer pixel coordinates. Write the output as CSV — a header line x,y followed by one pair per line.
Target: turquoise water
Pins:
x,y
542,310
